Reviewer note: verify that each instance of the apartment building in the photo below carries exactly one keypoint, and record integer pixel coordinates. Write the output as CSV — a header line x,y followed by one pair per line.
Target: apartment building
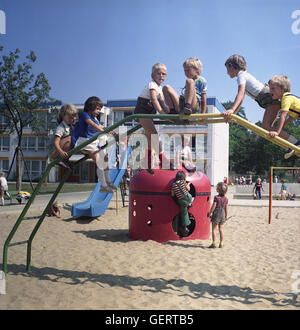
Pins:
x,y
209,143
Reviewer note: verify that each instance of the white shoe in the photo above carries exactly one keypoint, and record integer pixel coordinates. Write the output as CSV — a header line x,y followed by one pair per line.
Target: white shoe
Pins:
x,y
106,189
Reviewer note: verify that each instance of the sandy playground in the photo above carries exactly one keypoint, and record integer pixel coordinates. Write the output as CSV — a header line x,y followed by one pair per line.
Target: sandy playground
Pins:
x,y
92,264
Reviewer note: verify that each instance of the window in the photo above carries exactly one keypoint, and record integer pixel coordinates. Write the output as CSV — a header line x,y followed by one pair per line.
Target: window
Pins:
x,y
3,122
36,169
42,143
119,115
4,143
34,143
128,123
4,166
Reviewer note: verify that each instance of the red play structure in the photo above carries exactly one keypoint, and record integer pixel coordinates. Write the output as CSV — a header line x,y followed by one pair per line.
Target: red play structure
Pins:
x,y
152,211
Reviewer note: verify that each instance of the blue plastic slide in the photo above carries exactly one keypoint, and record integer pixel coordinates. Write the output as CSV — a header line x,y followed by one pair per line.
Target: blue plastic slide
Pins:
x,y
98,202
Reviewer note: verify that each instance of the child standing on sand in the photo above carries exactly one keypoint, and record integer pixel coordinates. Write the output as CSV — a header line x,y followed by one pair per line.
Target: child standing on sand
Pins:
x,y
3,187
258,187
218,214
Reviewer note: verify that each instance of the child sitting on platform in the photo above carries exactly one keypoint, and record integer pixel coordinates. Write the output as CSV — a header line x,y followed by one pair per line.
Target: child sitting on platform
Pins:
x,y
194,98
62,136
87,127
151,101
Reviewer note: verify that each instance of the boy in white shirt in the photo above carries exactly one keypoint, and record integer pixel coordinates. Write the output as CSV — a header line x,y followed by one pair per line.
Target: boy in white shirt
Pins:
x,y
151,101
247,84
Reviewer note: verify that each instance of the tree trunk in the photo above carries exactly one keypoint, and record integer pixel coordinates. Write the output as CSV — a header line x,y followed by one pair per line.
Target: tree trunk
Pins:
x,y
19,170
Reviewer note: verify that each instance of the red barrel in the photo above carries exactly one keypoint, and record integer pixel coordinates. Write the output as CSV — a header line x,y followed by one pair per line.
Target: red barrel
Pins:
x,y
152,210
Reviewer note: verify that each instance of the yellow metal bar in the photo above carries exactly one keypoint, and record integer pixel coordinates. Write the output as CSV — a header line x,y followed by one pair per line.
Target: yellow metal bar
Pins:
x,y
117,202
265,134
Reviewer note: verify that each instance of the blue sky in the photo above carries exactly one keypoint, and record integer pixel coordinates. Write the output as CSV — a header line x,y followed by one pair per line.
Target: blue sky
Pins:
x,y
107,47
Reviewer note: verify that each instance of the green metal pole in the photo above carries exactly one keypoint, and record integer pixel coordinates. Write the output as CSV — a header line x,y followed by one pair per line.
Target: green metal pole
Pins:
x,y
38,224
21,216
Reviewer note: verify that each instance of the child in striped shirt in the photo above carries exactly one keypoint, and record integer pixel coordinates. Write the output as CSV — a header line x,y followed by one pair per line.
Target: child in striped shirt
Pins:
x,y
180,190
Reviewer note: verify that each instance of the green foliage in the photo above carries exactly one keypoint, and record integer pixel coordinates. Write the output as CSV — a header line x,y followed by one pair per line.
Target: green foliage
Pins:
x,y
252,154
22,93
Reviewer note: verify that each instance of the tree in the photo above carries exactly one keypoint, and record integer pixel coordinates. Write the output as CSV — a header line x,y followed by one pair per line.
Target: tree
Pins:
x,y
21,94
250,153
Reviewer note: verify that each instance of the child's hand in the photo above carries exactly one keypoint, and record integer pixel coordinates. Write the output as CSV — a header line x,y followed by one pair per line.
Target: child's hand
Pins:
x,y
63,154
227,113
273,134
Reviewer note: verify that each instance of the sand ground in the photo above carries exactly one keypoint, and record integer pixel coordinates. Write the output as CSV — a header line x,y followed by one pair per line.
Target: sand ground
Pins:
x,y
92,264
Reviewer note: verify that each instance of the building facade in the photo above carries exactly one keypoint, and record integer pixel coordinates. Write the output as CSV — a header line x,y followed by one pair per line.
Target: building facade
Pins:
x,y
209,144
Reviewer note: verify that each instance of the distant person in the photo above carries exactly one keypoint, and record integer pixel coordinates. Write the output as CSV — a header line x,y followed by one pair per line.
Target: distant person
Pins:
x,y
290,105
87,127
3,187
258,188
184,155
194,98
247,84
283,190
62,136
55,210
180,192
219,214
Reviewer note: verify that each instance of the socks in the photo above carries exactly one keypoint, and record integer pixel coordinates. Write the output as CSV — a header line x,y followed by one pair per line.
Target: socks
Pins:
x,y
101,177
292,139
107,178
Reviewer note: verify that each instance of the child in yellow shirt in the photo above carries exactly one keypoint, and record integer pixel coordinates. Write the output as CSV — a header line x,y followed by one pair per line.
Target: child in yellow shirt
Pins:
x,y
290,105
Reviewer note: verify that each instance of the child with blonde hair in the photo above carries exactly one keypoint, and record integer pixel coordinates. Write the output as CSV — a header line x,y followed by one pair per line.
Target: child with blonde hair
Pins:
x,y
218,213
194,98
290,105
62,136
151,101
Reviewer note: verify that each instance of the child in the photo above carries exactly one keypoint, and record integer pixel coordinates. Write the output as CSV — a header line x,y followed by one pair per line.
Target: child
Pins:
x,y
87,127
55,210
283,190
236,67
62,136
194,98
290,105
184,155
3,187
180,190
258,187
218,214
150,101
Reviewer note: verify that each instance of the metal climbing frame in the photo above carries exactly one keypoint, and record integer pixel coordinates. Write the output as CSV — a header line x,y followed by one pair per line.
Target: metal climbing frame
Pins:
x,y
193,119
